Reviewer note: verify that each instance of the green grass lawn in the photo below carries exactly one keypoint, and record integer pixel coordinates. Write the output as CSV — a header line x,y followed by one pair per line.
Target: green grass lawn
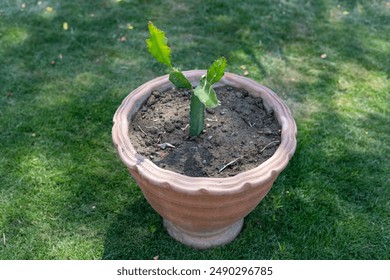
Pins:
x,y
64,193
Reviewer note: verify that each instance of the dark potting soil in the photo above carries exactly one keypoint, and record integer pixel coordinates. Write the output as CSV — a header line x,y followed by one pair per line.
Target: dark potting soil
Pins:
x,y
239,134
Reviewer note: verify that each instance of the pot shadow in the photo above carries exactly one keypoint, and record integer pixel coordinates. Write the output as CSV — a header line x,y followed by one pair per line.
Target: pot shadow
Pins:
x,y
138,233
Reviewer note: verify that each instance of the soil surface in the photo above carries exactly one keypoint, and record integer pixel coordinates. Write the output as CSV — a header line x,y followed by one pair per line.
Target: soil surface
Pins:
x,y
239,134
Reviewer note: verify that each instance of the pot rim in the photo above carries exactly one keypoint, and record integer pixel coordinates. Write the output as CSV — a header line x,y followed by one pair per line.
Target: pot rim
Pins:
x,y
263,173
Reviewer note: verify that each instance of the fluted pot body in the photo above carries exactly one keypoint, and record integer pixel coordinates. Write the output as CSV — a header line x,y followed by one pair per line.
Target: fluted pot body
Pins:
x,y
198,211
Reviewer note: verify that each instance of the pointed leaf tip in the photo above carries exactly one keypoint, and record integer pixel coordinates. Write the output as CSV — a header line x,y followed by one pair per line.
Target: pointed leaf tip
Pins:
x,y
216,70
157,45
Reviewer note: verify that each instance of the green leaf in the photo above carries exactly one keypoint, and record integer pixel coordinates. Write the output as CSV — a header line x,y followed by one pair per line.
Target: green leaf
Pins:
x,y
206,93
196,116
216,70
157,45
179,80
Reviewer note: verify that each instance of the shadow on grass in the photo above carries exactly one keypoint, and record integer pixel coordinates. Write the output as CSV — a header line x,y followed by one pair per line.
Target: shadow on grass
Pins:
x,y
336,208
331,202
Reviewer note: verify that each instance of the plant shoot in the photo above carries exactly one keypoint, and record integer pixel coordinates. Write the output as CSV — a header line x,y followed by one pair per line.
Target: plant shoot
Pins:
x,y
204,95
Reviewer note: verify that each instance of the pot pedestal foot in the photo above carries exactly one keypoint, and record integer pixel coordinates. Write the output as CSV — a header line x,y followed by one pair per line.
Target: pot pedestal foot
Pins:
x,y
207,239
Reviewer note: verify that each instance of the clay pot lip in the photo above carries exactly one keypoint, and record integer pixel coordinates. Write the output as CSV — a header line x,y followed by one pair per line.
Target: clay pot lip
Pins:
x,y
265,172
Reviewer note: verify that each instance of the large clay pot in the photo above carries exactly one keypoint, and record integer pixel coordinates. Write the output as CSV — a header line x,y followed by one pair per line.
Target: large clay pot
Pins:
x,y
197,211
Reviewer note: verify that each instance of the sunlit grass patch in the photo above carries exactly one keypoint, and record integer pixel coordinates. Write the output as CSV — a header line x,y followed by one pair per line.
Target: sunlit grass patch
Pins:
x,y
361,91
64,193
12,36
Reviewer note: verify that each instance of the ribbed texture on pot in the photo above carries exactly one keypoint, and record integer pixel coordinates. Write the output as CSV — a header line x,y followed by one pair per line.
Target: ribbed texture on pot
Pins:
x,y
198,203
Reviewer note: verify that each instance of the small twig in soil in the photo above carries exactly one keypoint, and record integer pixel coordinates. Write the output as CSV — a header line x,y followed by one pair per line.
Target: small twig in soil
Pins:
x,y
266,146
251,124
142,131
226,165
184,128
149,127
165,145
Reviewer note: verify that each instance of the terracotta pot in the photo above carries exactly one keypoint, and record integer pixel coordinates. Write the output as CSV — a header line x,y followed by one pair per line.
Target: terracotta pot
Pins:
x,y
197,211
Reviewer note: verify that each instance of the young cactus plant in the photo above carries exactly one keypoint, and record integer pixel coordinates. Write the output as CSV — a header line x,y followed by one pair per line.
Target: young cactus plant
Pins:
x,y
204,95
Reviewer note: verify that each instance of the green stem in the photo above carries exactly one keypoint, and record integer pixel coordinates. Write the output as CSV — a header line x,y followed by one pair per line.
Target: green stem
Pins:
x,y
196,116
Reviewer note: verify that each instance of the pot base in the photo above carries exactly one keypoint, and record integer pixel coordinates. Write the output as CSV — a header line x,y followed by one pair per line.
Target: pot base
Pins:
x,y
204,240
